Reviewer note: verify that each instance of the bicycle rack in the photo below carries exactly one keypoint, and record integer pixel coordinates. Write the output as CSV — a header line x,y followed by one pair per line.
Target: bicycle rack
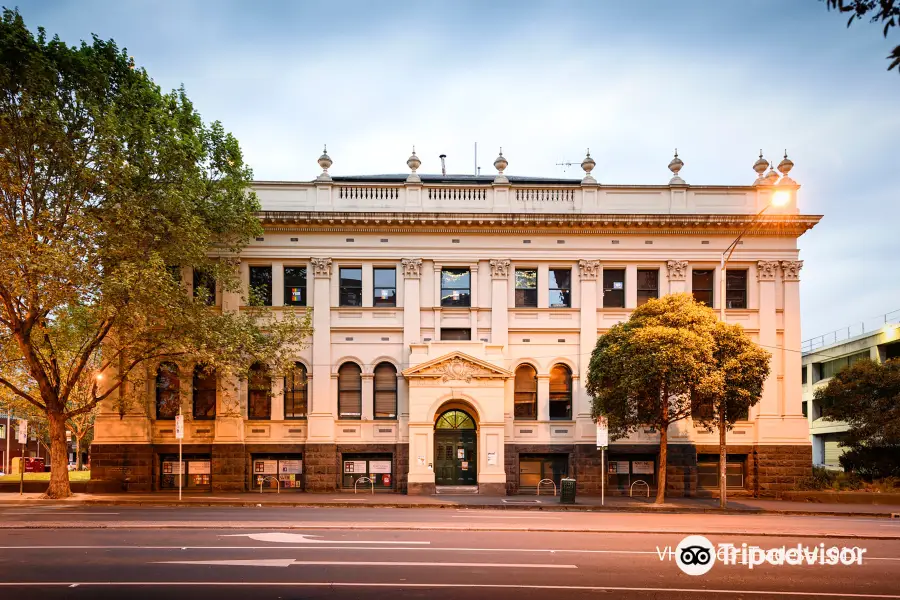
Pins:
x,y
542,481
631,489
369,479
277,483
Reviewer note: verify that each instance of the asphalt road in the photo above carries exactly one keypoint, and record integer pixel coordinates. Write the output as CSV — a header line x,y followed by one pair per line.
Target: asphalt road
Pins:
x,y
66,515
248,562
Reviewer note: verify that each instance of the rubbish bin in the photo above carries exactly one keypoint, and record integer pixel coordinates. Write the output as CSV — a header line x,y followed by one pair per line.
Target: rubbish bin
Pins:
x,y
567,491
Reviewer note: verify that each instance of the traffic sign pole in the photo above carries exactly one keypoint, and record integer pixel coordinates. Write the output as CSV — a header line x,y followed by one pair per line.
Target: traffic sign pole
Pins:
x,y
23,439
179,433
602,443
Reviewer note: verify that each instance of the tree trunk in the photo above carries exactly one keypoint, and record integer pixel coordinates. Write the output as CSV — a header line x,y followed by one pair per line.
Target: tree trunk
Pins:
x,y
59,469
723,455
663,459
77,453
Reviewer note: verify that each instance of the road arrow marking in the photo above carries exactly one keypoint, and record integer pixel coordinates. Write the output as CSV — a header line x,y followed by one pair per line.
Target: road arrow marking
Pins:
x,y
300,538
286,562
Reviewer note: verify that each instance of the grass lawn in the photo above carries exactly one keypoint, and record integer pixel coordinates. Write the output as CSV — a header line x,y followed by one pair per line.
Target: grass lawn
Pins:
x,y
73,476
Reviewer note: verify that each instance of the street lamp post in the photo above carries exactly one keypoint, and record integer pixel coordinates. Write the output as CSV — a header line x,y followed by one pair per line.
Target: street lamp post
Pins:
x,y
779,198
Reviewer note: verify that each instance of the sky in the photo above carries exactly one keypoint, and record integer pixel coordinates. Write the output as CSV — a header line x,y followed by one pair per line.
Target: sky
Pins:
x,y
546,80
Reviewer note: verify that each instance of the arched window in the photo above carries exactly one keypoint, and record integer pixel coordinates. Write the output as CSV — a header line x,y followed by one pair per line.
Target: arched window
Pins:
x,y
259,392
385,391
526,393
204,393
349,391
455,419
561,392
168,387
296,388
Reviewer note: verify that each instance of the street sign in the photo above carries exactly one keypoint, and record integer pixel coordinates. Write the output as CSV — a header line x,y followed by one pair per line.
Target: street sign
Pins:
x,y
179,427
602,432
23,431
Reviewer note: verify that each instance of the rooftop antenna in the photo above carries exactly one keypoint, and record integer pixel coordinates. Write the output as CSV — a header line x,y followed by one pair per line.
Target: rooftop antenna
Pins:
x,y
566,165
443,164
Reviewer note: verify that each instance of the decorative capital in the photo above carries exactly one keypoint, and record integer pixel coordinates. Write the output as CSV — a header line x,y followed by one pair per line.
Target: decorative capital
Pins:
x,y
677,270
791,269
766,270
589,270
412,268
499,268
321,267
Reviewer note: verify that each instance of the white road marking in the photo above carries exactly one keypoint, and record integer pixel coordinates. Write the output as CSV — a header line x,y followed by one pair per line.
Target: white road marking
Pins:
x,y
515,586
286,562
300,538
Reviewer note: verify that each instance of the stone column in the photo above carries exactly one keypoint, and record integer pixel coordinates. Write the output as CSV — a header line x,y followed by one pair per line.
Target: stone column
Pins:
x,y
322,405
412,333
766,272
473,302
792,400
631,283
278,398
368,397
500,303
543,396
589,271
277,283
677,275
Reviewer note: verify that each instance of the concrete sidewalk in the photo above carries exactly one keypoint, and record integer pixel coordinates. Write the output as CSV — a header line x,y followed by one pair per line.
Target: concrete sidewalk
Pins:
x,y
521,502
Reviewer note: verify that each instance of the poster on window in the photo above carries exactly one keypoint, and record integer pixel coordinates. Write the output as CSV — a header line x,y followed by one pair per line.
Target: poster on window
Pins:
x,y
290,466
265,467
172,468
296,295
379,466
355,466
198,467
642,467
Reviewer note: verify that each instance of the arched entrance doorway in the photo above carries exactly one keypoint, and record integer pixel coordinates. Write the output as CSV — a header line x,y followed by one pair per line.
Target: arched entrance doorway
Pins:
x,y
455,449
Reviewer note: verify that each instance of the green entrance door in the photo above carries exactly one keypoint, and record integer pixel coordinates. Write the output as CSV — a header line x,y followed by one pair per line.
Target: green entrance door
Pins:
x,y
455,449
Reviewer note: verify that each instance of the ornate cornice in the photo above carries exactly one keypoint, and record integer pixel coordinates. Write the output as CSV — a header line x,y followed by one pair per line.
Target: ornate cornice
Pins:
x,y
533,223
677,270
589,269
499,268
766,270
791,269
412,268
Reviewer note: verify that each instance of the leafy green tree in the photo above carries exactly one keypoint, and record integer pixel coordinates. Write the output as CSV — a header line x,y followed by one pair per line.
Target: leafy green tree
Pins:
x,y
646,370
866,396
111,190
743,367
886,12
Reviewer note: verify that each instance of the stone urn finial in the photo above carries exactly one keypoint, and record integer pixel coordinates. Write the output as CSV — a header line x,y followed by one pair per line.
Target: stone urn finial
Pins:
x,y
500,163
785,167
675,165
413,163
760,167
588,165
325,163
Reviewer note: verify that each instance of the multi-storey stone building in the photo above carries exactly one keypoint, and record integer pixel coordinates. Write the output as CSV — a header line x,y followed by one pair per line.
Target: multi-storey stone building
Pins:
x,y
454,320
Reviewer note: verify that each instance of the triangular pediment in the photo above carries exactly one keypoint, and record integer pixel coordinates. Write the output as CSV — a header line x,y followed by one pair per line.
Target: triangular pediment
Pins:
x,y
457,366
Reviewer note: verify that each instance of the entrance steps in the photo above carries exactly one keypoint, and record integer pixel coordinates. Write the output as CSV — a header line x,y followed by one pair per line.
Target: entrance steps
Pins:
x,y
455,490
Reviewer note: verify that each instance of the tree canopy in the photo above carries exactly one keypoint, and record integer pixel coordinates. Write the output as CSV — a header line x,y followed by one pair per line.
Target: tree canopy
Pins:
x,y
113,193
886,12
866,396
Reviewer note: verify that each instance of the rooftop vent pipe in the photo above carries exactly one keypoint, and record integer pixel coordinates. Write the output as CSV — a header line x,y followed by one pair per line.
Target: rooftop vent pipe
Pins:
x,y
443,164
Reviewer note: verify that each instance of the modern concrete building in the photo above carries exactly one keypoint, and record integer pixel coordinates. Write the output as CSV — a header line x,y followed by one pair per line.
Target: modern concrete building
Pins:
x,y
454,320
820,365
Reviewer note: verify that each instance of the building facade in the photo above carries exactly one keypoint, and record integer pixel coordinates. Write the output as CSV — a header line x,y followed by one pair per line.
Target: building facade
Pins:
x,y
819,366
454,318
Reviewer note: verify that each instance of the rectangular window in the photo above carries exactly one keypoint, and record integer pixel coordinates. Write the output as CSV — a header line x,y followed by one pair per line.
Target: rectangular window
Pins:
x,y
613,288
647,285
261,285
560,288
350,293
526,288
455,287
831,368
385,287
702,286
205,287
295,286
735,288
448,333
803,375
805,409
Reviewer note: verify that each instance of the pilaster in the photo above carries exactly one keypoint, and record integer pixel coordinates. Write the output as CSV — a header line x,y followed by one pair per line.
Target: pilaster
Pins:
x,y
321,415
368,396
499,302
677,270
543,396
589,272
766,272
792,358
